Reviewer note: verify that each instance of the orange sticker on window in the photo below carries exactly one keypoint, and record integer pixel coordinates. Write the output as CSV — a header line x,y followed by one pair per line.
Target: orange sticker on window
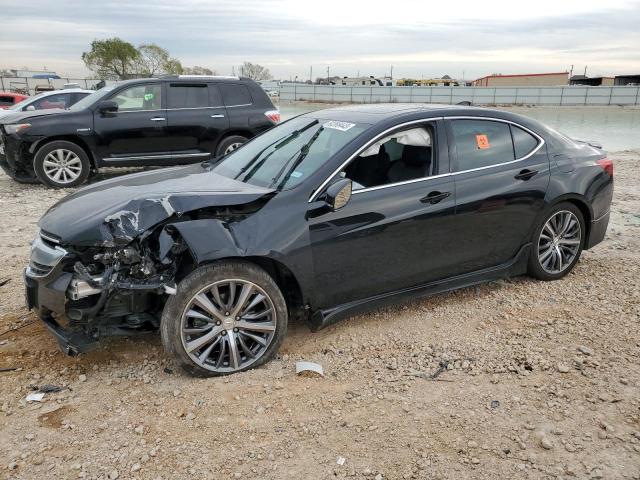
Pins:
x,y
482,141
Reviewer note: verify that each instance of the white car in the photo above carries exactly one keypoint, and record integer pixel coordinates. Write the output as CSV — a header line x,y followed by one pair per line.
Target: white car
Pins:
x,y
46,100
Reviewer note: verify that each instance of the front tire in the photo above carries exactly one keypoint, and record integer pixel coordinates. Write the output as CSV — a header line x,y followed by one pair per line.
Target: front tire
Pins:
x,y
229,144
557,242
61,164
226,317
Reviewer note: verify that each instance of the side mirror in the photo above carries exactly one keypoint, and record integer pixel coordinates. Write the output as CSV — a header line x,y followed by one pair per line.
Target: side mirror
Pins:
x,y
30,108
107,106
338,194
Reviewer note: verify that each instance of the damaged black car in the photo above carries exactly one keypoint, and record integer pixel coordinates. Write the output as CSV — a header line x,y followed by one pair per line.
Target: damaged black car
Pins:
x,y
328,214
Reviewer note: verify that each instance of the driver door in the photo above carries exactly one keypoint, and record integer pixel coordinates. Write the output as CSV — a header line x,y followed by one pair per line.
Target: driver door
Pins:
x,y
389,236
137,133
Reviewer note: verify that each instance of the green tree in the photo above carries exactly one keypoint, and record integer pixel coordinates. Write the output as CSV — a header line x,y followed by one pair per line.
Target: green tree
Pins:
x,y
112,59
154,60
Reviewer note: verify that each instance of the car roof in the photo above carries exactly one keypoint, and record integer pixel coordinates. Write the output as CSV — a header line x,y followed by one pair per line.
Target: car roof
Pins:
x,y
186,78
380,112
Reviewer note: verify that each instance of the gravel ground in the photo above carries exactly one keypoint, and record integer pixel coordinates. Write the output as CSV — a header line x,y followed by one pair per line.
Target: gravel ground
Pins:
x,y
541,381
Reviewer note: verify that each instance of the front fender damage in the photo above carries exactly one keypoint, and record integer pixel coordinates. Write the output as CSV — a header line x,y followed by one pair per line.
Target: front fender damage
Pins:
x,y
121,285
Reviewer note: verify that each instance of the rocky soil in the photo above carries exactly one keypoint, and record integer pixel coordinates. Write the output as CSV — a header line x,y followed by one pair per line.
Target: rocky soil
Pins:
x,y
512,379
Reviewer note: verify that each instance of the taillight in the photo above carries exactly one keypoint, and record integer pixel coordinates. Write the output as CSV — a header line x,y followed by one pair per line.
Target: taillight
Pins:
x,y
273,115
607,165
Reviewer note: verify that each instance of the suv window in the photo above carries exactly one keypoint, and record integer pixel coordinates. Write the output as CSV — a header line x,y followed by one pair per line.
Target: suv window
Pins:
x,y
188,95
61,100
139,97
5,100
234,94
481,143
399,157
523,141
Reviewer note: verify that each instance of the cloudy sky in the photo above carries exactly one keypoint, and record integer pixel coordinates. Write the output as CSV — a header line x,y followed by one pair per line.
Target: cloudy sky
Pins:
x,y
417,37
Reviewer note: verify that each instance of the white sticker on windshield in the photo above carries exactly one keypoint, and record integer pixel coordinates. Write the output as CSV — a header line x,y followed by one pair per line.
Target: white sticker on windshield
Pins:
x,y
336,125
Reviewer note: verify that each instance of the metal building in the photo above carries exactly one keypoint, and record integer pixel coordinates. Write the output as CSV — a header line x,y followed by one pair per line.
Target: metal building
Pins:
x,y
523,80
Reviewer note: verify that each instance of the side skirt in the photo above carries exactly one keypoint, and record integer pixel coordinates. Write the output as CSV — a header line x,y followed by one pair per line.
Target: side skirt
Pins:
x,y
514,267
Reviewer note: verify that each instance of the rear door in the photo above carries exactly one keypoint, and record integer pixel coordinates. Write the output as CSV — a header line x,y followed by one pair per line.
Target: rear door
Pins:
x,y
137,133
239,102
197,119
501,173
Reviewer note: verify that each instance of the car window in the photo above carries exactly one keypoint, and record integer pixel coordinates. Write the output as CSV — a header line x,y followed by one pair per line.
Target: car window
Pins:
x,y
402,156
234,94
481,143
188,96
215,97
5,100
139,97
289,153
523,141
60,100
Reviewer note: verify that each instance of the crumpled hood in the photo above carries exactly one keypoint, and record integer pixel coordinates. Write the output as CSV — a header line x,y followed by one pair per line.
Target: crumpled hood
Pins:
x,y
117,210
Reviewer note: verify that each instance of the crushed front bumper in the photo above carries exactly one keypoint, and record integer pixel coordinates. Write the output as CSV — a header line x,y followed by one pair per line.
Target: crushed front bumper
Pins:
x,y
46,285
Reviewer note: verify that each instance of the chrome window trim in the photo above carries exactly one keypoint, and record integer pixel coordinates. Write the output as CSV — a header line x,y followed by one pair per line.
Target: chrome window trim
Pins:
x,y
317,191
541,142
192,108
240,105
396,184
141,111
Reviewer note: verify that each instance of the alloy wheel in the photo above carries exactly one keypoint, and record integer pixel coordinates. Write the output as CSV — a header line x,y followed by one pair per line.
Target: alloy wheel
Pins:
x,y
62,166
232,147
228,325
559,242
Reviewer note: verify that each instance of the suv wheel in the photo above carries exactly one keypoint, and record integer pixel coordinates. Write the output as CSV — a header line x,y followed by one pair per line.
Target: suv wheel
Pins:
x,y
61,164
229,144
557,242
225,318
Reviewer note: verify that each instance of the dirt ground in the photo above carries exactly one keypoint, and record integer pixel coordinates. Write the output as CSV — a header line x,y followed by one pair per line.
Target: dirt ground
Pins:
x,y
542,382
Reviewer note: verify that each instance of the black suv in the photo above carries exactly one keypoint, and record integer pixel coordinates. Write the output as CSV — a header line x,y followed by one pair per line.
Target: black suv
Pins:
x,y
164,121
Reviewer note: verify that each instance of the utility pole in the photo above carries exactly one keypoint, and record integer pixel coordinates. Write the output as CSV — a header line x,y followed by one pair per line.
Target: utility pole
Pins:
x,y
311,74
391,76
585,70
328,77
571,72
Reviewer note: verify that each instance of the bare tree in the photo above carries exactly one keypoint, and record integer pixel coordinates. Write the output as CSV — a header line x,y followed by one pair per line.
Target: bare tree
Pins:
x,y
197,70
255,72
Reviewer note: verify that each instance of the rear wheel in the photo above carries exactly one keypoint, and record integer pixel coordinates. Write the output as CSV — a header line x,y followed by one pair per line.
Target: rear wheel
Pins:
x,y
229,144
61,164
557,243
225,318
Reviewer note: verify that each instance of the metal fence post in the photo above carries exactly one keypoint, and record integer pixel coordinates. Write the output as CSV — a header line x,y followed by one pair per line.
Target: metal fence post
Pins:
x,y
351,93
637,94
561,95
295,93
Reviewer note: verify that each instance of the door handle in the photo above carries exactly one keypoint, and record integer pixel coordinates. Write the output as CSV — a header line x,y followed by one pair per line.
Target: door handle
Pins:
x,y
157,119
435,197
217,115
525,174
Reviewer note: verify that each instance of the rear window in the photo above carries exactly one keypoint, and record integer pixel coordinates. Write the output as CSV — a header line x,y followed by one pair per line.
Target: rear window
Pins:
x,y
234,94
4,100
523,142
188,96
481,143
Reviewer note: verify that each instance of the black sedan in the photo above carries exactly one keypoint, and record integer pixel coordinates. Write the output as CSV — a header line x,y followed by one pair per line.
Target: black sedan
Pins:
x,y
325,215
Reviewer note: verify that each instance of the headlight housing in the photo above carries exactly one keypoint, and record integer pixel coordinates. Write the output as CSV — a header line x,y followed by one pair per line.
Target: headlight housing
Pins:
x,y
16,128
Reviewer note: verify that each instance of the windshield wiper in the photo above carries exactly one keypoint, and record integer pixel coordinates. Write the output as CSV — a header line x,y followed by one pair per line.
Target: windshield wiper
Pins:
x,y
304,151
281,143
